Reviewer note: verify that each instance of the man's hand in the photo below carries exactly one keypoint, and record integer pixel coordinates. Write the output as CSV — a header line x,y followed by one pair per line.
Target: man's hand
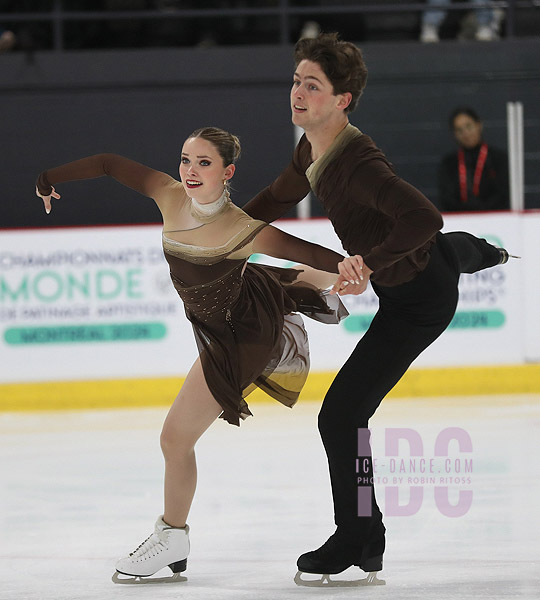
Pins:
x,y
353,276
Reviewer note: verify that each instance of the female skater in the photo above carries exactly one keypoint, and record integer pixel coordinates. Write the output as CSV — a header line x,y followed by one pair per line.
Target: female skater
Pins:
x,y
241,313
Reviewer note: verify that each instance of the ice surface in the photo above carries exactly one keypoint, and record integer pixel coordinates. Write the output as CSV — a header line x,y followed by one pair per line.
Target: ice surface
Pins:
x,y
80,489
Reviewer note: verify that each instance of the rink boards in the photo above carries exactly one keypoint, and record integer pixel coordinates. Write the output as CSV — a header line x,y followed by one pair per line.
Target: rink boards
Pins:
x,y
83,305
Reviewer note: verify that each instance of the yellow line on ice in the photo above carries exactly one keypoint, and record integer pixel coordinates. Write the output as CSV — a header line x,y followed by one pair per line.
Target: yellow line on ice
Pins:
x,y
119,393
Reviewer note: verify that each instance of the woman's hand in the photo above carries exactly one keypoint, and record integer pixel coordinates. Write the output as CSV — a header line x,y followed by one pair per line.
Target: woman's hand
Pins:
x,y
353,276
47,199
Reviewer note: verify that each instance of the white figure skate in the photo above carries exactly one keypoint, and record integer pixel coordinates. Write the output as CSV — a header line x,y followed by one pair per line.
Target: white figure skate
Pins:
x,y
166,547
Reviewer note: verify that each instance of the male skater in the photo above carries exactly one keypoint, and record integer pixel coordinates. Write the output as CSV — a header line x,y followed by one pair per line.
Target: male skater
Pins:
x,y
392,233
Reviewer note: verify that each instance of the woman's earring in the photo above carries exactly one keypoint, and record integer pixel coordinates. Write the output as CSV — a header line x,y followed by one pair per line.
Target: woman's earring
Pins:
x,y
227,195
226,190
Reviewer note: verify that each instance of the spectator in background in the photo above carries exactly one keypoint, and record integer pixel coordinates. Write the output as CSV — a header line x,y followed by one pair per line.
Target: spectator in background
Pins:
x,y
27,36
476,176
7,40
488,22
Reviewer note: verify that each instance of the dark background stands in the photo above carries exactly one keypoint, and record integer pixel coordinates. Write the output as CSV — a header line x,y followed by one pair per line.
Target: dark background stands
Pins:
x,y
57,105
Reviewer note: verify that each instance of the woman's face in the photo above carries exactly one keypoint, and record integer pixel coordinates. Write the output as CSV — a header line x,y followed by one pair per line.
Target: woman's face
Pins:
x,y
467,131
202,171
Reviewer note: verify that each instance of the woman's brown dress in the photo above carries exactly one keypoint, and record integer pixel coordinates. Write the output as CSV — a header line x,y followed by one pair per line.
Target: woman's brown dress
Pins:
x,y
244,315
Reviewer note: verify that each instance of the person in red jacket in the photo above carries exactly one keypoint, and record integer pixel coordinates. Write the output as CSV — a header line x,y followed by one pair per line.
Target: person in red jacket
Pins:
x,y
475,178
391,231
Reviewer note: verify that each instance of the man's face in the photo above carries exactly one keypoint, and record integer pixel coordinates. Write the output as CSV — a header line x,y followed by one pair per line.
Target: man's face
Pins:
x,y
313,102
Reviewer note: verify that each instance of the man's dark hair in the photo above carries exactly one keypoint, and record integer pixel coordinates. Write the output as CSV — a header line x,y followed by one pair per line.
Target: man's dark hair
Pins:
x,y
342,62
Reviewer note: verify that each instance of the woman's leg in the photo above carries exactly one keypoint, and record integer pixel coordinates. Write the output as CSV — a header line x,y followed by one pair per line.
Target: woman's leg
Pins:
x,y
192,413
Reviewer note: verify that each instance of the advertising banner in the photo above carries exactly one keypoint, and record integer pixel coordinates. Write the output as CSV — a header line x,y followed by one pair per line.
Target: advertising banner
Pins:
x,y
530,288
97,303
89,303
489,324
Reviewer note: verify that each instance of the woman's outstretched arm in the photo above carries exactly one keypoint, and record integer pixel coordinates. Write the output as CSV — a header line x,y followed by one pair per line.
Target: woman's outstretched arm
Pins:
x,y
322,263
145,180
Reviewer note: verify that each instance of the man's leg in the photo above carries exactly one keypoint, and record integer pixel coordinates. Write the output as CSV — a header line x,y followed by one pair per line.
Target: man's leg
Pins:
x,y
474,254
410,318
378,362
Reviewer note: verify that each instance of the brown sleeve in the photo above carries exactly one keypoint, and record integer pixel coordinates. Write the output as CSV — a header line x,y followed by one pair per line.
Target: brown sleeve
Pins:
x,y
416,219
286,191
278,243
128,172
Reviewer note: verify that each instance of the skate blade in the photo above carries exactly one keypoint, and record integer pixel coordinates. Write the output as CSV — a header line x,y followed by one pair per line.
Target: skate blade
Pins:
x,y
136,580
325,581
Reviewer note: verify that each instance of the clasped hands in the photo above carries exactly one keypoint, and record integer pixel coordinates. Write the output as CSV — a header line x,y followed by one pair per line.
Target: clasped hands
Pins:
x,y
353,276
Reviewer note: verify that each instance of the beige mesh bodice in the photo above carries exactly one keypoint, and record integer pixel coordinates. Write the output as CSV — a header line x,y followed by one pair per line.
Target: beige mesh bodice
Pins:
x,y
230,236
207,261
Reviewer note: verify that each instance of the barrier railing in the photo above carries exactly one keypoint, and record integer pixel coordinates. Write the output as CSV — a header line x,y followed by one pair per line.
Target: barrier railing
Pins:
x,y
283,10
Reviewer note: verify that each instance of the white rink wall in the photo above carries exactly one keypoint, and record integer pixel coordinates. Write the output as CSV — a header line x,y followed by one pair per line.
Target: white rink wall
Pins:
x,y
97,303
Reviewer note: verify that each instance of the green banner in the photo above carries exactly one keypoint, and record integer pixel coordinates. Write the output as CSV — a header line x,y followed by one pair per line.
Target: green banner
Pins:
x,y
466,319
74,334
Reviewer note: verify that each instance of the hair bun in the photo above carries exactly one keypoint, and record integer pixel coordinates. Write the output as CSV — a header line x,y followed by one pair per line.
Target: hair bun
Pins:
x,y
227,144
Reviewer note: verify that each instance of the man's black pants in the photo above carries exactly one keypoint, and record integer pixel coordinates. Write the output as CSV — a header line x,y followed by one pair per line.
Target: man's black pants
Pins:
x,y
410,317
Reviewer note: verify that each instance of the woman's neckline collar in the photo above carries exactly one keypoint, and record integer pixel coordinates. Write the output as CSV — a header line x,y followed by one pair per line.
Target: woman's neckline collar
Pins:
x,y
206,213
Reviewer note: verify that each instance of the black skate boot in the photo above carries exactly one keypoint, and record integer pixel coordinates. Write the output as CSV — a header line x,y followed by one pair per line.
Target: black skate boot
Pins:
x,y
505,256
335,556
